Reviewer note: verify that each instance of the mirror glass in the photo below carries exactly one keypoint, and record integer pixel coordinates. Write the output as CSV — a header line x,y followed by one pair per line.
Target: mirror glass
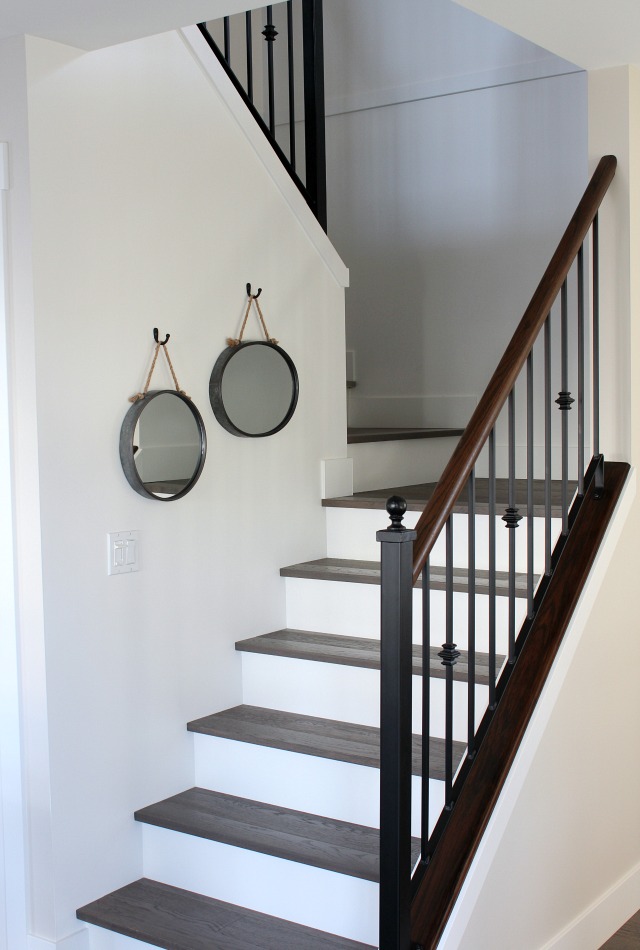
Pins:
x,y
254,389
162,445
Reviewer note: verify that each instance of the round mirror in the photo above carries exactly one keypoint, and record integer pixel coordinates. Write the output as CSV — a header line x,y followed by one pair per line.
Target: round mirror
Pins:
x,y
163,445
253,389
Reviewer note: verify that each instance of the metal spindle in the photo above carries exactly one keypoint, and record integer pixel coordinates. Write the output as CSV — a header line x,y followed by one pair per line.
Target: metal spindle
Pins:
x,y
270,34
249,40
292,104
530,485
471,619
227,39
547,446
511,519
564,402
599,479
581,338
449,656
426,706
492,569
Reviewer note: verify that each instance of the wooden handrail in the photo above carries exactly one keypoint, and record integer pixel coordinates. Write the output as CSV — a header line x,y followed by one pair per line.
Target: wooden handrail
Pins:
x,y
477,432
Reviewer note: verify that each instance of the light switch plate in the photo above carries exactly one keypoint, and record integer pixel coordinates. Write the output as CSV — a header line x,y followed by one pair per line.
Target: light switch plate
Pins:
x,y
123,552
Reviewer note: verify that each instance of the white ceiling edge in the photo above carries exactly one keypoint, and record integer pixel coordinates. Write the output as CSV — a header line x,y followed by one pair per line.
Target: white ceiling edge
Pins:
x,y
592,34
99,23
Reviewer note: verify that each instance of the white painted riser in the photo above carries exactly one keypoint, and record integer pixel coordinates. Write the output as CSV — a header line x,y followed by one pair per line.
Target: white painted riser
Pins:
x,y
348,693
354,610
307,895
100,939
309,783
351,533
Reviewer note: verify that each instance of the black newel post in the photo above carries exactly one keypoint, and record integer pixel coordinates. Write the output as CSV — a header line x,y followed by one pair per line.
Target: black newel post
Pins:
x,y
395,728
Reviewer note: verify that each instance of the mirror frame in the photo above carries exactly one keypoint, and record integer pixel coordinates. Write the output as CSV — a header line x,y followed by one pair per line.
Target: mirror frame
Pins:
x,y
127,455
215,389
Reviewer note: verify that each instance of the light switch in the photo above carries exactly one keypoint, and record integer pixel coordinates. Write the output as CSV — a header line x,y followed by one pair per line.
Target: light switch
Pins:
x,y
123,552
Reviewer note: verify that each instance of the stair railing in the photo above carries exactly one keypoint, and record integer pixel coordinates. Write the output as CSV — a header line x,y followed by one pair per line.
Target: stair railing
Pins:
x,y
271,85
545,351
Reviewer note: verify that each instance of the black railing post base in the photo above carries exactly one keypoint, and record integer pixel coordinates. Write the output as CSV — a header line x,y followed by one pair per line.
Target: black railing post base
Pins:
x,y
396,600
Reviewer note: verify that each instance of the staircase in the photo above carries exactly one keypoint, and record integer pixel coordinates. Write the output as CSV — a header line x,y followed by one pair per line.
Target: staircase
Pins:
x,y
277,845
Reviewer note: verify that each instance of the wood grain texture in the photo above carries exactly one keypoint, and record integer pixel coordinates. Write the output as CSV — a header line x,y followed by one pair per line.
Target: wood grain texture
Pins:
x,y
417,497
441,884
627,938
310,735
466,452
352,571
339,846
175,919
360,434
357,651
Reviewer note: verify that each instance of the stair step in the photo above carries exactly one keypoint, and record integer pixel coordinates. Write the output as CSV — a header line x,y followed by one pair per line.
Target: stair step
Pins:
x,y
176,919
310,735
368,572
356,651
417,497
339,846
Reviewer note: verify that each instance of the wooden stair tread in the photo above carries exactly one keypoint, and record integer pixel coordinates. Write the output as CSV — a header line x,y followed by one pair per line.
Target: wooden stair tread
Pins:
x,y
417,497
359,434
175,919
356,651
310,735
339,846
368,572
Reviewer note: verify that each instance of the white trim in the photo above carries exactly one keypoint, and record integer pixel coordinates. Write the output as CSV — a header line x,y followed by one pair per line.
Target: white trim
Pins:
x,y
13,913
214,72
594,926
78,940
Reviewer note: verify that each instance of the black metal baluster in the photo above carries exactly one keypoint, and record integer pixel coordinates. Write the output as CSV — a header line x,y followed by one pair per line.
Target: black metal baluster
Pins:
x,y
530,541
581,338
292,103
314,130
449,656
395,727
227,39
270,34
471,618
492,569
547,446
595,243
564,402
426,707
511,519
249,55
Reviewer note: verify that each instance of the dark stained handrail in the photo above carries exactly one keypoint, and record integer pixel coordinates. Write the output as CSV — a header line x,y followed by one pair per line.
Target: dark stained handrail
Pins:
x,y
459,467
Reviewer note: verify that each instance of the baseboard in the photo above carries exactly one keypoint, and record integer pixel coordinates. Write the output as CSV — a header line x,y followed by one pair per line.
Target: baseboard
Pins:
x,y
602,918
78,940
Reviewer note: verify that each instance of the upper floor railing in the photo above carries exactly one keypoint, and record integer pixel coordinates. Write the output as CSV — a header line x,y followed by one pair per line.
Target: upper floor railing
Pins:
x,y
274,57
552,359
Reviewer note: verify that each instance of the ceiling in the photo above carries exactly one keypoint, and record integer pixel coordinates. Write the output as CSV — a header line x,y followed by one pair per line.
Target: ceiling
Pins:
x,y
591,33
92,24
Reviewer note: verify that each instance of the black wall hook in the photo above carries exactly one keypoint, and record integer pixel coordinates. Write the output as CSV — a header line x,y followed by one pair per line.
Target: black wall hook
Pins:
x,y
255,296
161,342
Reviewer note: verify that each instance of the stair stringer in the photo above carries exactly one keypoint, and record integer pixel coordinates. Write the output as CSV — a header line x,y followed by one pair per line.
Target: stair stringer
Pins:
x,y
541,906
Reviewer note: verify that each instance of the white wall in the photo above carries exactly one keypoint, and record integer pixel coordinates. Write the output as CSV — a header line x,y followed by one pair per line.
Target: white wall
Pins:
x,y
148,208
453,169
